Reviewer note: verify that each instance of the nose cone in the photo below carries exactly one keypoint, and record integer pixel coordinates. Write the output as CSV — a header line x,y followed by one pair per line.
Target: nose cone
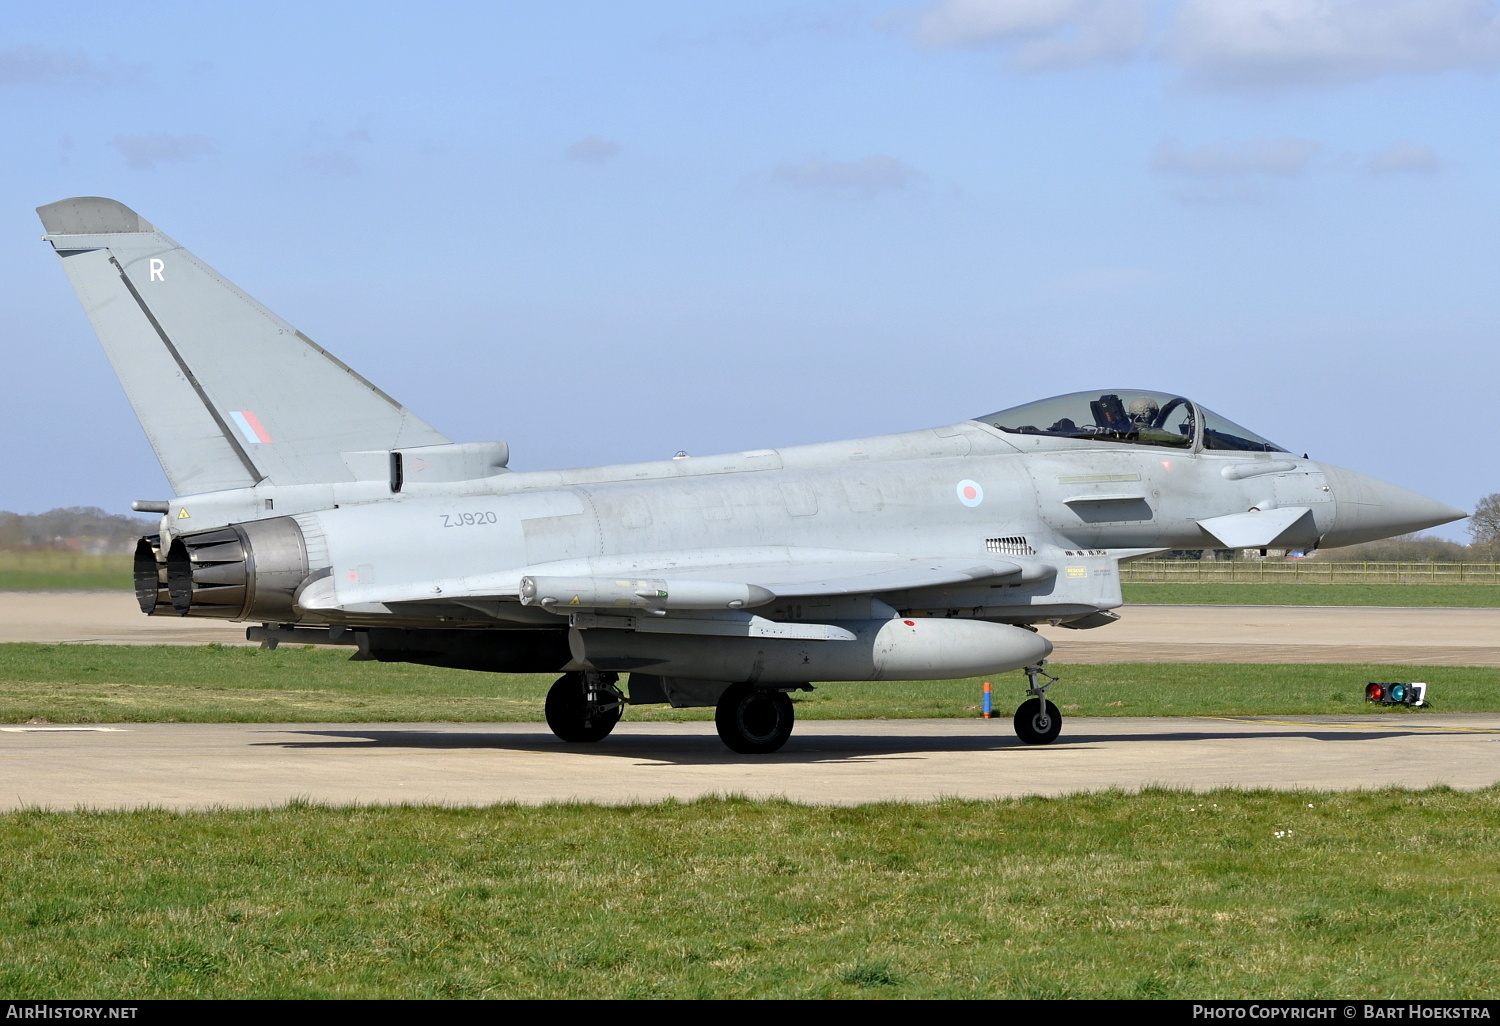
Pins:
x,y
1368,509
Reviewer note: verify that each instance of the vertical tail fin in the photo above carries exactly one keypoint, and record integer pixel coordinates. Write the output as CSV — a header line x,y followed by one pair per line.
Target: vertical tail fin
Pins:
x,y
229,394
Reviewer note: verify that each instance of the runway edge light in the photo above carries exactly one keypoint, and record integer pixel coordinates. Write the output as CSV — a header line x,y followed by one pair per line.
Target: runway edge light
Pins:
x,y
1412,693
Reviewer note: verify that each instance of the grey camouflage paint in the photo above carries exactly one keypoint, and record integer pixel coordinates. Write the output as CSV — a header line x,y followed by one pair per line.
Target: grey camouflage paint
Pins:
x,y
922,554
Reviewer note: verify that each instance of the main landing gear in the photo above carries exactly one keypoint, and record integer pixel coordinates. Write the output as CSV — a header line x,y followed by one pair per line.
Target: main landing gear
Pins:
x,y
584,706
1037,721
754,721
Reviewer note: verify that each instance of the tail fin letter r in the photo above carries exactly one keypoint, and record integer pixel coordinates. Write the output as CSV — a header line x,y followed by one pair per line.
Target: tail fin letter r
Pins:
x,y
157,266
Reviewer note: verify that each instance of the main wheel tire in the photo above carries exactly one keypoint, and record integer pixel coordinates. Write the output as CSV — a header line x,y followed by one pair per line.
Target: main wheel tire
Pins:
x,y
568,712
1038,722
752,721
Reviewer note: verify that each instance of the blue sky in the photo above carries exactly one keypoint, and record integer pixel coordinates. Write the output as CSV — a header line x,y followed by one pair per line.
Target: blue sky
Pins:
x,y
605,232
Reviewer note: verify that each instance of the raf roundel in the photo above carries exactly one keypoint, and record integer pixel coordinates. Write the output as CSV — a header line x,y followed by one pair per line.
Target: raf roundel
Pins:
x,y
969,493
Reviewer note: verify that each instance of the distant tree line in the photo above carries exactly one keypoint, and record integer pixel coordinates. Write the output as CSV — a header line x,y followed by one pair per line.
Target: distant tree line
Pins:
x,y
1484,524
1407,548
74,529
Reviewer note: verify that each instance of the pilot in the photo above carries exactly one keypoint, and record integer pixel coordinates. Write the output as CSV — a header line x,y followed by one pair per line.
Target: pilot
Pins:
x,y
1143,411
1144,414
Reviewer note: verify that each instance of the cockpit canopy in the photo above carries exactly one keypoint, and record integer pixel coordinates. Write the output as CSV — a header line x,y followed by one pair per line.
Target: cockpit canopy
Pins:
x,y
1132,417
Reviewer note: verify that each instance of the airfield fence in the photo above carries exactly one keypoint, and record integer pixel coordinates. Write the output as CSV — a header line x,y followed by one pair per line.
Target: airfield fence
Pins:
x,y
1296,571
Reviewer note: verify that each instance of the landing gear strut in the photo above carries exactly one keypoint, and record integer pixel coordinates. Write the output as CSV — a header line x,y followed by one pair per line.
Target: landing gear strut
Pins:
x,y
754,721
1037,721
584,706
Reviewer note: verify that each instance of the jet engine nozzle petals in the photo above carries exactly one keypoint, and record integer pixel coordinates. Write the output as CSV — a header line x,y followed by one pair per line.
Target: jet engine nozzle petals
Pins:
x,y
1368,509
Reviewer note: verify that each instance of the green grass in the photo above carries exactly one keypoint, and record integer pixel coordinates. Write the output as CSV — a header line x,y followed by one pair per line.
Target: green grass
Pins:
x,y
214,684
45,570
1454,595
238,684
1385,894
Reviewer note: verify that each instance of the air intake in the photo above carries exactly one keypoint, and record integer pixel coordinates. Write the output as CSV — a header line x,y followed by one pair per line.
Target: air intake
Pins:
x,y
1012,546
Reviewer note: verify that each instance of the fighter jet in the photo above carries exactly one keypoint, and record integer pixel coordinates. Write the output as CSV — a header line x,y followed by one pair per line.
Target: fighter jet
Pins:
x,y
313,505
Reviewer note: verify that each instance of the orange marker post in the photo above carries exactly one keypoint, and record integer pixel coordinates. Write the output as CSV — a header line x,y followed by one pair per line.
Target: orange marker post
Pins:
x,y
987,699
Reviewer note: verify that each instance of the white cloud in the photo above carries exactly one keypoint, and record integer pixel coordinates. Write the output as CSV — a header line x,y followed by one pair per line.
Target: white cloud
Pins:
x,y
1253,46
871,174
1039,34
593,150
1271,45
1218,160
986,22
30,65
1405,157
1238,173
144,152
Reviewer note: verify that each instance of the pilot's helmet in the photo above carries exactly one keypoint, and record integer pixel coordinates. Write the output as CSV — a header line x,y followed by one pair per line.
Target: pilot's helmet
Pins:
x,y
1143,409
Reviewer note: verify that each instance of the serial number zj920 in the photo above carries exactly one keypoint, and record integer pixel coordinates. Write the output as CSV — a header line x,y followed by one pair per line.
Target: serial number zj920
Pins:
x,y
468,519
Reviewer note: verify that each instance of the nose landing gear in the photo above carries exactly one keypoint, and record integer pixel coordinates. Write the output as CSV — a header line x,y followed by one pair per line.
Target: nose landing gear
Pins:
x,y
1038,721
584,706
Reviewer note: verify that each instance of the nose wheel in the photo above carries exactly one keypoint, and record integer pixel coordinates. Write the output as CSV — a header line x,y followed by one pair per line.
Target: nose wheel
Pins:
x,y
584,706
1038,721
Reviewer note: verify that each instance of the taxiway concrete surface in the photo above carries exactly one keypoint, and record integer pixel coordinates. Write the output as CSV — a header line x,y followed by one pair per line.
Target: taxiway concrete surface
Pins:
x,y
203,766
1145,634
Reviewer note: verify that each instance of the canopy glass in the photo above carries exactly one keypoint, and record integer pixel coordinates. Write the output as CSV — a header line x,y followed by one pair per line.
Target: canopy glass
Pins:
x,y
1130,417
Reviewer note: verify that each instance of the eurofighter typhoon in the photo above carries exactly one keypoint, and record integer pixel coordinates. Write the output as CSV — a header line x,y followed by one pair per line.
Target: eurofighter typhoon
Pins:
x,y
313,505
